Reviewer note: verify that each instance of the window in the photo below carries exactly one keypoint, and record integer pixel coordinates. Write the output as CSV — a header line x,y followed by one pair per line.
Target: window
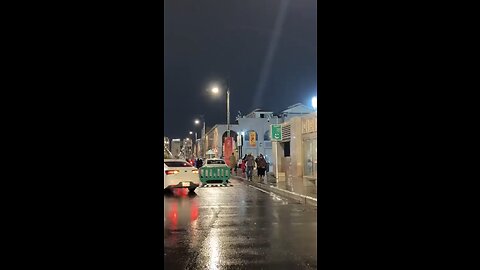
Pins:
x,y
266,136
310,157
286,149
262,115
177,164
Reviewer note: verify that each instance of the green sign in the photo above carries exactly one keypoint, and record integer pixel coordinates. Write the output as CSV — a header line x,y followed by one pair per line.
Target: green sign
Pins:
x,y
276,132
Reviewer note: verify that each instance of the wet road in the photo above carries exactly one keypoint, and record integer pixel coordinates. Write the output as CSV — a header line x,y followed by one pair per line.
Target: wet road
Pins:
x,y
238,227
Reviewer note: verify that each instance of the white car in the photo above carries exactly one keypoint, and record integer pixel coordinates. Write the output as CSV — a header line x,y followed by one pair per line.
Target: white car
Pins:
x,y
178,173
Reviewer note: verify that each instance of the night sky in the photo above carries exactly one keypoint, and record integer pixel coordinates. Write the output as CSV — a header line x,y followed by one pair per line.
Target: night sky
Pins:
x,y
268,49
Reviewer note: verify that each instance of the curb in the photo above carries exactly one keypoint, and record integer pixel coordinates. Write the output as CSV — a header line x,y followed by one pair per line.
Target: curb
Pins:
x,y
285,193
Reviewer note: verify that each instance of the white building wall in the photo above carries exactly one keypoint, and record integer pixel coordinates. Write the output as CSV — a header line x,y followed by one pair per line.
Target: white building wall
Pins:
x,y
259,125
296,111
217,133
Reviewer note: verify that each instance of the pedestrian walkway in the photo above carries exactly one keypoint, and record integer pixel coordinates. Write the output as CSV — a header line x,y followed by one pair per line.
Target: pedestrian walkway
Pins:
x,y
297,185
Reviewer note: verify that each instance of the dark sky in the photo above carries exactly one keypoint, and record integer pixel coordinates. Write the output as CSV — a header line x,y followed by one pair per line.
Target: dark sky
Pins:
x,y
268,49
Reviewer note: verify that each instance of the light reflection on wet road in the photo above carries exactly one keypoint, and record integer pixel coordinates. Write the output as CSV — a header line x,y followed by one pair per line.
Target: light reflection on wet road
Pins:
x,y
238,227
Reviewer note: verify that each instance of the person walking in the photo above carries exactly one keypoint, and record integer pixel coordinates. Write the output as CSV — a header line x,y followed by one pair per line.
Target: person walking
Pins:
x,y
239,166
244,159
268,164
233,163
261,167
250,162
256,165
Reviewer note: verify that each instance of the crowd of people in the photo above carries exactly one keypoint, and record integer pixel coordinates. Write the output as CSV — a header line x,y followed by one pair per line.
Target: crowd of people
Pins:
x,y
247,165
195,162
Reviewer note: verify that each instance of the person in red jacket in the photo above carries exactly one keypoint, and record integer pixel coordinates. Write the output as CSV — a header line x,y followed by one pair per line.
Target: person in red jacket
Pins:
x,y
244,159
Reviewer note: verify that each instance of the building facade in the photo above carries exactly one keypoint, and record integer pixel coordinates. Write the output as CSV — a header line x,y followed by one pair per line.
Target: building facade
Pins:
x,y
214,137
296,154
166,143
187,147
176,147
295,110
251,133
309,146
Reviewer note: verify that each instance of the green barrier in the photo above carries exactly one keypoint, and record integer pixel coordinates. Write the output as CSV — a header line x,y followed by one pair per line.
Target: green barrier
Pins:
x,y
214,174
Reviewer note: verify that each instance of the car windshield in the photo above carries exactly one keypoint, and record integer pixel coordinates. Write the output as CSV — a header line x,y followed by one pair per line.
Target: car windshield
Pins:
x,y
215,162
177,164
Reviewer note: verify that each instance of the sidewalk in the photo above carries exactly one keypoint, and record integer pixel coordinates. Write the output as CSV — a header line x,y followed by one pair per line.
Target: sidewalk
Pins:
x,y
295,188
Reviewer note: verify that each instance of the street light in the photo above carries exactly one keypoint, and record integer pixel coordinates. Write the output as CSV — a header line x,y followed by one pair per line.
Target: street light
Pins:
x,y
215,91
198,122
194,143
191,132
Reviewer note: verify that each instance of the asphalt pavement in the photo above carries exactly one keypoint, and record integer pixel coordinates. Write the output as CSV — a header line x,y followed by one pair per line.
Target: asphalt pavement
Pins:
x,y
238,227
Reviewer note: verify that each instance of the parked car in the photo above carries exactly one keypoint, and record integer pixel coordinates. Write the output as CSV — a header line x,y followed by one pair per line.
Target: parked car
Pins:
x,y
178,173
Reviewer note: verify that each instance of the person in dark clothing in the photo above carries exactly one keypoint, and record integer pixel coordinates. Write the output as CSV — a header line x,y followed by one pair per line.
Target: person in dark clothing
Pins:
x,y
256,164
261,166
268,164
250,162
199,163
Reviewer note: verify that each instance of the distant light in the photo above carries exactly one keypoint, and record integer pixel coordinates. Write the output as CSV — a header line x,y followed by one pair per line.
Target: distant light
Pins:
x,y
191,132
197,121
215,90
314,102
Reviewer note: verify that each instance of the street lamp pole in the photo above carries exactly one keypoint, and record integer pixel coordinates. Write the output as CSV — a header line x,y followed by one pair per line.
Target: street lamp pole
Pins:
x,y
228,113
228,107
215,91
203,143
204,139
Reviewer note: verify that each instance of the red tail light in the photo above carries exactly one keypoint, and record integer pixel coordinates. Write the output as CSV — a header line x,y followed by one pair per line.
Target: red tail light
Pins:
x,y
169,172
